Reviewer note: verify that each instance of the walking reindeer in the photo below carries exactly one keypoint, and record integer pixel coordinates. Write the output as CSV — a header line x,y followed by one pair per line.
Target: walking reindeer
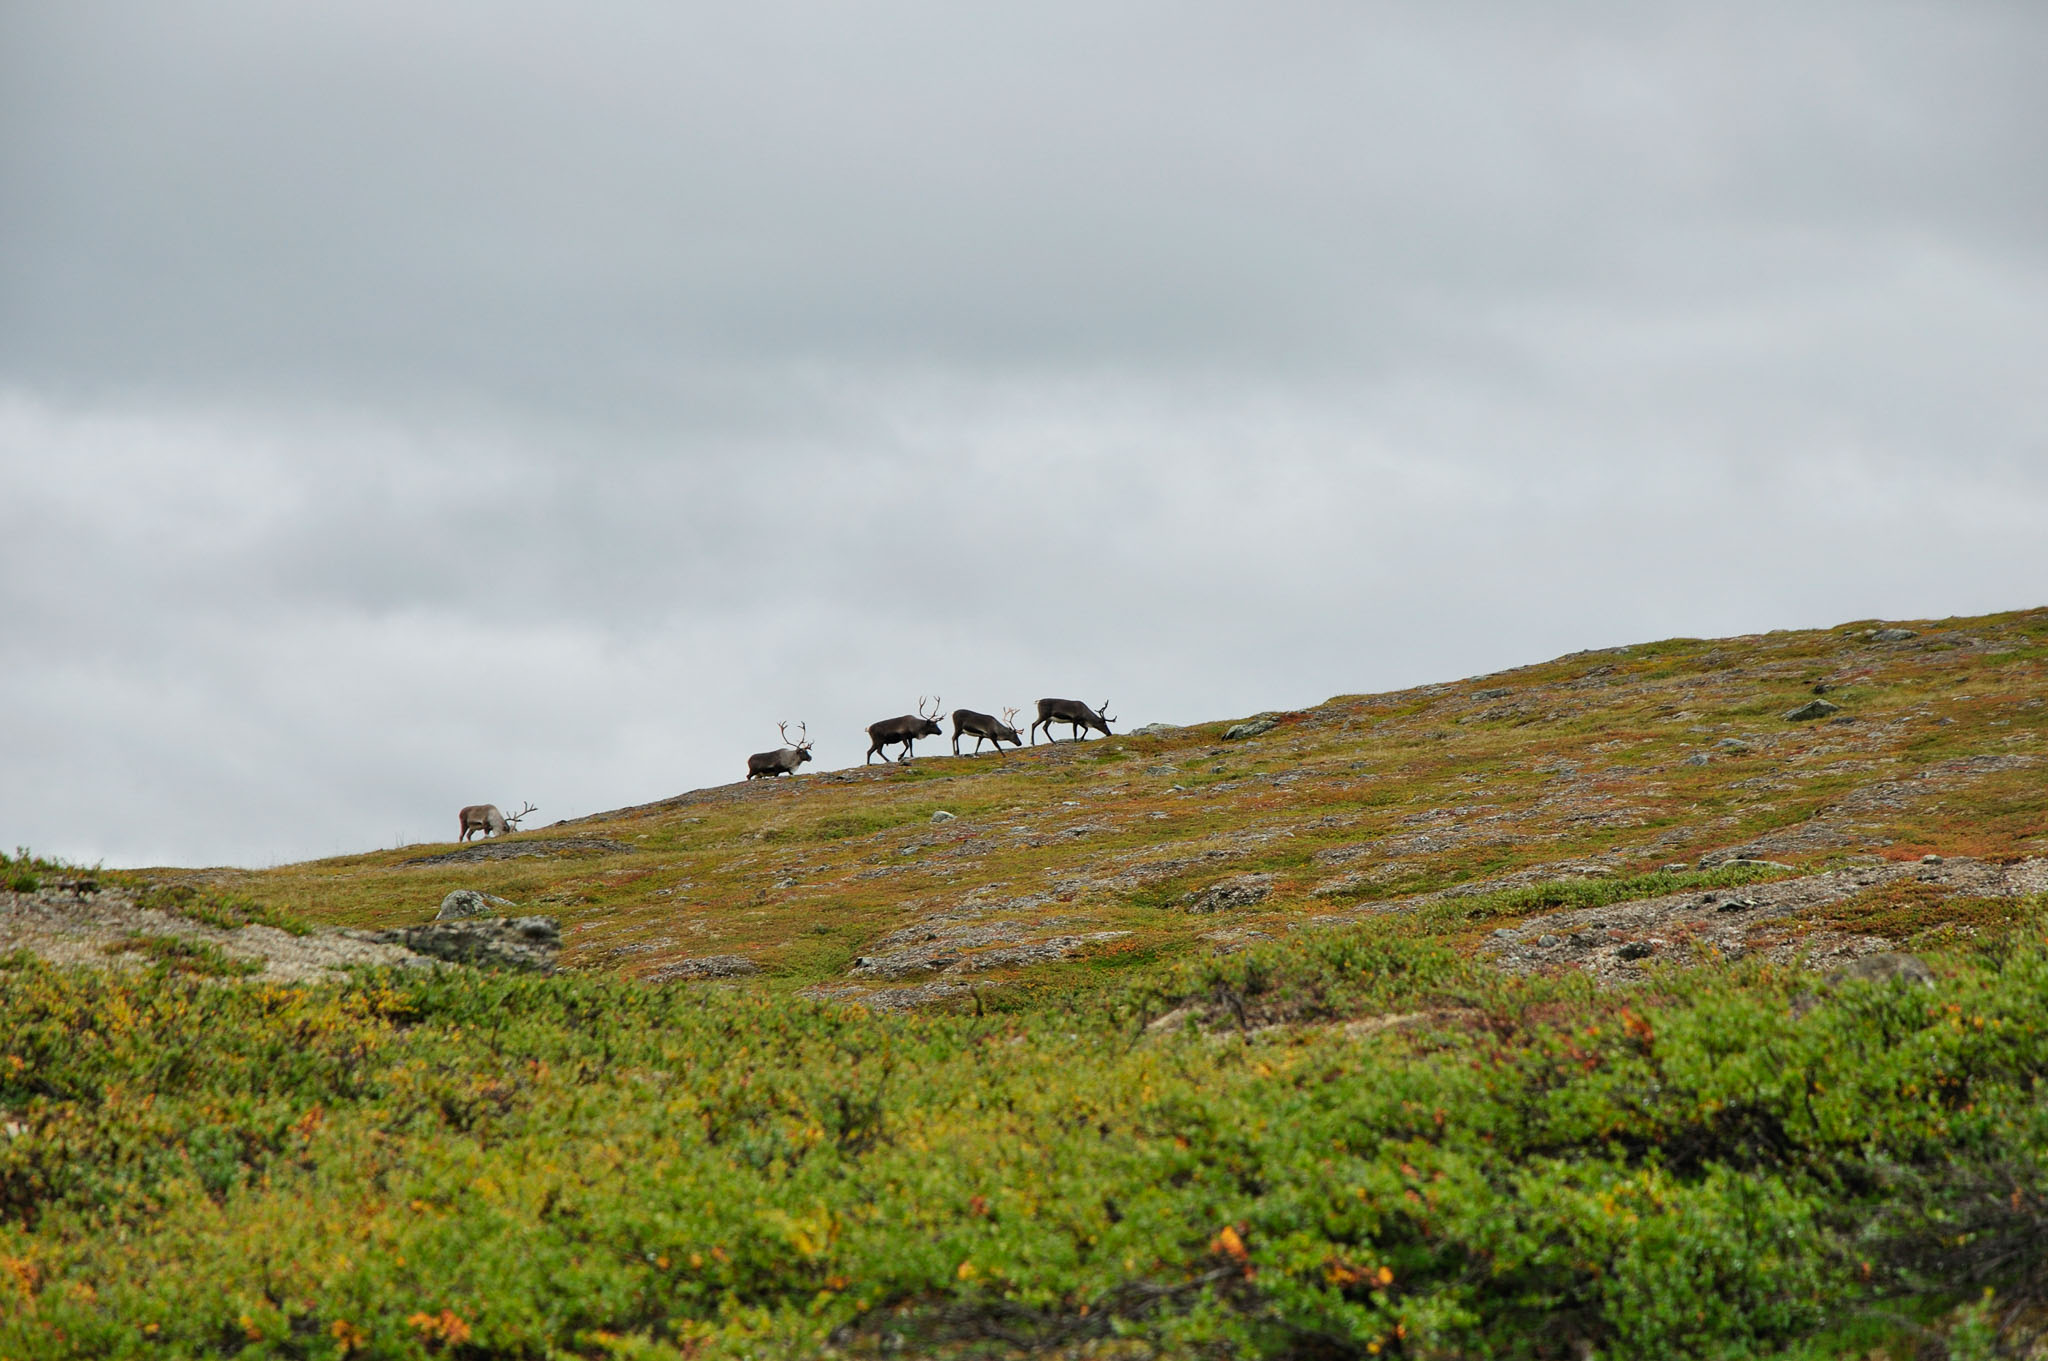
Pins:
x,y
785,760
984,728
1078,716
903,731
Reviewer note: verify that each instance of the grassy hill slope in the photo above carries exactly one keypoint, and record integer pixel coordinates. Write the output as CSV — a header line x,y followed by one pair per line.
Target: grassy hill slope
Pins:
x,y
1065,866
1378,1034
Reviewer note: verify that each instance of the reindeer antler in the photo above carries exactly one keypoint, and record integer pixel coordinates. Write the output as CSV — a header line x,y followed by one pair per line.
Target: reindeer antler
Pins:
x,y
1010,717
803,733
937,705
783,728
1102,712
513,821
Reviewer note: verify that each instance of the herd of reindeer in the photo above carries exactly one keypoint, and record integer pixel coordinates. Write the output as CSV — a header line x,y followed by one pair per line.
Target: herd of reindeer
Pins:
x,y
890,732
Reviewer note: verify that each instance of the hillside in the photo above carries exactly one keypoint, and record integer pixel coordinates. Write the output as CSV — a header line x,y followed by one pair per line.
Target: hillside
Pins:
x,y
1593,1009
1065,866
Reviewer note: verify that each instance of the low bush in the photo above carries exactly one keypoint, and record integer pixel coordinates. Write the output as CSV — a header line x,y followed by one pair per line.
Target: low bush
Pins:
x,y
496,1166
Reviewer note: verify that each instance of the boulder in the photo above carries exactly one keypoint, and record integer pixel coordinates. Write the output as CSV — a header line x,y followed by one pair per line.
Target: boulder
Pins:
x,y
529,943
1253,727
1812,709
1890,635
1884,967
1241,890
1151,730
467,902
942,816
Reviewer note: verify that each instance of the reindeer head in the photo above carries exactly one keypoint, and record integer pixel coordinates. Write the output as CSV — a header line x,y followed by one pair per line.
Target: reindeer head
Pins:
x,y
802,745
931,720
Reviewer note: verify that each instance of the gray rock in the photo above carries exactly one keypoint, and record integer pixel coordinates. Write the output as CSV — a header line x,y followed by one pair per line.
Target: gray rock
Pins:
x,y
1885,967
1254,727
1151,730
467,902
1241,890
1699,759
708,966
1548,940
1890,635
1812,709
491,943
942,816
1636,949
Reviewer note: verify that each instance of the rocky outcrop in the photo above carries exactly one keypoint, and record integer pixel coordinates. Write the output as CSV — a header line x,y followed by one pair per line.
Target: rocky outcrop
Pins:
x,y
706,966
526,943
1243,890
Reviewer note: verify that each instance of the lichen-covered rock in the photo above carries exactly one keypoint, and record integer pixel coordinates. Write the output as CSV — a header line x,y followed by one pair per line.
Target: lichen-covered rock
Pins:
x,y
1253,727
1884,967
529,943
1812,709
1241,890
467,902
705,966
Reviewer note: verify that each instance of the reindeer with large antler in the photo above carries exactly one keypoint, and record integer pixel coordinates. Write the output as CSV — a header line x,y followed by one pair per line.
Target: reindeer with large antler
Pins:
x,y
985,728
1076,715
485,818
786,760
904,731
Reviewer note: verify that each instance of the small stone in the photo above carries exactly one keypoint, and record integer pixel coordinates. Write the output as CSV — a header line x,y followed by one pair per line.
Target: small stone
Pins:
x,y
1548,941
1891,635
1698,759
1255,727
942,816
1151,730
1930,860
1636,949
1675,867
1812,709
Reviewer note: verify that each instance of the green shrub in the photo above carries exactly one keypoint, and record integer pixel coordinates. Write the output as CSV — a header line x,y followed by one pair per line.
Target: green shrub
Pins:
x,y
490,1165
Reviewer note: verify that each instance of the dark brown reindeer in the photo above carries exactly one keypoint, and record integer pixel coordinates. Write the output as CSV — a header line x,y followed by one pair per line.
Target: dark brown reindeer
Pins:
x,y
905,730
1076,715
985,728
785,761
485,818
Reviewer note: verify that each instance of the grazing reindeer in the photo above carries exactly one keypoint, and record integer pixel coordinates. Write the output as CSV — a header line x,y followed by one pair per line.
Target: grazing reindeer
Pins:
x,y
485,818
985,728
905,730
785,761
1072,712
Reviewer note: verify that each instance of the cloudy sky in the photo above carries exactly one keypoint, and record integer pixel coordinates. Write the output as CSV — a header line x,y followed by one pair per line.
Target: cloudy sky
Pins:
x,y
403,406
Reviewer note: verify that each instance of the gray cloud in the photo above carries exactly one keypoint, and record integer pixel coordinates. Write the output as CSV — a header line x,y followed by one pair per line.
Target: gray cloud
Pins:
x,y
399,409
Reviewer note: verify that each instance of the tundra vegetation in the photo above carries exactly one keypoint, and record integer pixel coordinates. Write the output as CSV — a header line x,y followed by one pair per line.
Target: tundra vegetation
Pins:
x,y
1073,1116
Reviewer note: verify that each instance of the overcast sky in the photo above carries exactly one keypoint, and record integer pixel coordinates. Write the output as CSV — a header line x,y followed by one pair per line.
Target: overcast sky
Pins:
x,y
403,406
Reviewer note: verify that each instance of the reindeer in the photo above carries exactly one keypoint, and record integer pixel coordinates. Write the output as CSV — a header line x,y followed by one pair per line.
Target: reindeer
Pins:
x,y
905,730
1072,712
785,761
984,728
485,818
